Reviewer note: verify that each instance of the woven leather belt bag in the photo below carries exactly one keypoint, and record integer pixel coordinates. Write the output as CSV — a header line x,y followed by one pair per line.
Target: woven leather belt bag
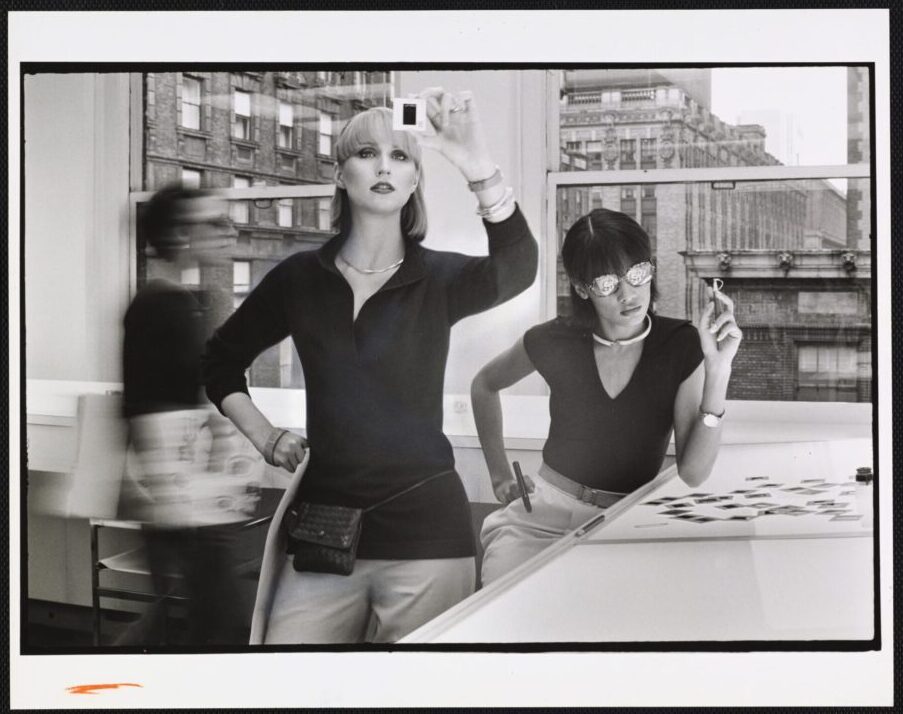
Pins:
x,y
324,538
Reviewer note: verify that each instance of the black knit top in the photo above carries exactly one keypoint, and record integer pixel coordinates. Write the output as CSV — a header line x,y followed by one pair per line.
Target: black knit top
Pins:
x,y
374,386
613,444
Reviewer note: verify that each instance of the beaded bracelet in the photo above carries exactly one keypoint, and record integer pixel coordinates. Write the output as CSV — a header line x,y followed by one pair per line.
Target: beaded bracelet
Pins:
x,y
494,180
269,448
498,207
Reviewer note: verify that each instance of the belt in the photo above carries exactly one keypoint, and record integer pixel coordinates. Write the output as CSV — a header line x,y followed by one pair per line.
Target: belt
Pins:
x,y
593,496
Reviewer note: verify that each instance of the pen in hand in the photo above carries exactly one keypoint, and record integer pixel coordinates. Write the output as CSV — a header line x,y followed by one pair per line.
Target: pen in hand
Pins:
x,y
518,474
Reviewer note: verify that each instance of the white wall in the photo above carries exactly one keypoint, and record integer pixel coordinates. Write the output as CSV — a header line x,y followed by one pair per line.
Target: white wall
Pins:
x,y
511,106
76,224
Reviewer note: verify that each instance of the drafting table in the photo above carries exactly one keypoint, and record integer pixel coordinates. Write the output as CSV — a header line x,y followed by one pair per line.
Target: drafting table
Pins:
x,y
775,546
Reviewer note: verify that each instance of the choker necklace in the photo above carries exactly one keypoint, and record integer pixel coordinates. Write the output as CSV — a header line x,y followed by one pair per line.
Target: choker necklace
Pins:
x,y
371,271
630,341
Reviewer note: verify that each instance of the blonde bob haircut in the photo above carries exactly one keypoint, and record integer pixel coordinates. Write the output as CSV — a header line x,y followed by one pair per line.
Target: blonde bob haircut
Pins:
x,y
368,127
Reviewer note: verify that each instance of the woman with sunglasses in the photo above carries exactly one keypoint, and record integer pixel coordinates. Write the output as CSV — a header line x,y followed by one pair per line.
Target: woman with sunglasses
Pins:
x,y
370,314
621,378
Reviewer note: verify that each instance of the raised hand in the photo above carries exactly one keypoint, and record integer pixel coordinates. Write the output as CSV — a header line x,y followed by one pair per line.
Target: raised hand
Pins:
x,y
720,336
459,133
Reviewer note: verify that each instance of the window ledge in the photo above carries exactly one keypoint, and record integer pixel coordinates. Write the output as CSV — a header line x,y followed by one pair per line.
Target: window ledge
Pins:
x,y
526,417
199,133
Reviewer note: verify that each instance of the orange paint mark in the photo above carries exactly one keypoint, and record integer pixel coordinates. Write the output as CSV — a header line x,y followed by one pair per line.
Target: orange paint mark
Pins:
x,y
90,688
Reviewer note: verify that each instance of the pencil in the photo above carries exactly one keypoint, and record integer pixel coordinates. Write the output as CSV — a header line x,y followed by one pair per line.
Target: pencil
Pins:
x,y
518,474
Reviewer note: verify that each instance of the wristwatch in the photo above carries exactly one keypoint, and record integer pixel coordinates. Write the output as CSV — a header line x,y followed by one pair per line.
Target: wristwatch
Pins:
x,y
711,420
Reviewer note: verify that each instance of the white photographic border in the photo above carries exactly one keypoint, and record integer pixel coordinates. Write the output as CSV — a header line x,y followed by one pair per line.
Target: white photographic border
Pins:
x,y
382,679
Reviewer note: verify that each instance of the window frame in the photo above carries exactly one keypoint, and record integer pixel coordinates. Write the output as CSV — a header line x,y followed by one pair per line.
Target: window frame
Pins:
x,y
249,129
280,127
245,204
200,103
320,133
281,205
557,179
200,175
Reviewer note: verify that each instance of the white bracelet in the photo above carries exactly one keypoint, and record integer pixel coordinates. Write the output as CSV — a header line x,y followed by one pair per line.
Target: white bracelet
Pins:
x,y
499,206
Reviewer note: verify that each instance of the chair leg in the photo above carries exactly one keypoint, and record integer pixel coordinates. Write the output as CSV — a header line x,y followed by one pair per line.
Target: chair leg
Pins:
x,y
95,584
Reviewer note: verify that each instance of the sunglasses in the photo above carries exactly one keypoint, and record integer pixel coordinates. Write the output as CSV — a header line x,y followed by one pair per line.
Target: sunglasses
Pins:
x,y
638,275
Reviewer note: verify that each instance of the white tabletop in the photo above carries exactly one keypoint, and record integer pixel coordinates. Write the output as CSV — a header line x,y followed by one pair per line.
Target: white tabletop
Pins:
x,y
789,570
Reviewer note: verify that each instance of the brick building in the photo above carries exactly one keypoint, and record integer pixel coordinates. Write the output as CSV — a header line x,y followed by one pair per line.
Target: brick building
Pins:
x,y
790,252
246,129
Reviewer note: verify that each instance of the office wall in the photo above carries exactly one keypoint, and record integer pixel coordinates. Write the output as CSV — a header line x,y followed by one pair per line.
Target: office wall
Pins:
x,y
76,224
511,105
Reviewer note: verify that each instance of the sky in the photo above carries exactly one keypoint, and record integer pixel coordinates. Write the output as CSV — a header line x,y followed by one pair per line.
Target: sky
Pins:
x,y
807,105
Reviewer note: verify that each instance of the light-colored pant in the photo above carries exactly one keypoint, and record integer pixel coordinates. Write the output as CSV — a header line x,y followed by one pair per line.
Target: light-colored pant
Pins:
x,y
381,601
511,536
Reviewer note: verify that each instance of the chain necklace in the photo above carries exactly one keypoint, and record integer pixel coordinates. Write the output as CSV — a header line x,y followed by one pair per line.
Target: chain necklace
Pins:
x,y
371,271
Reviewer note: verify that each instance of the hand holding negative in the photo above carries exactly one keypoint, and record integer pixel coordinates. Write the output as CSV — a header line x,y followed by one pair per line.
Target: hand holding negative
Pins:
x,y
719,335
459,133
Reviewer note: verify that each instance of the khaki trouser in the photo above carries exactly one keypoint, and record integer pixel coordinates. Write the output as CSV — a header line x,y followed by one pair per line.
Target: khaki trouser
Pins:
x,y
512,536
380,601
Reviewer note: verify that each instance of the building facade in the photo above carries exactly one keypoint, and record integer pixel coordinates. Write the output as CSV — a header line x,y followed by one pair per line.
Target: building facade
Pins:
x,y
790,253
223,130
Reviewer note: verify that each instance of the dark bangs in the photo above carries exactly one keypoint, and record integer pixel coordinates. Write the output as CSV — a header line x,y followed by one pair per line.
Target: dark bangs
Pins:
x,y
601,243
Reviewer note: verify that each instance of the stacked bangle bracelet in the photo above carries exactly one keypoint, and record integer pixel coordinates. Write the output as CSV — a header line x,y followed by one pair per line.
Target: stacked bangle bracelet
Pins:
x,y
485,183
270,447
498,208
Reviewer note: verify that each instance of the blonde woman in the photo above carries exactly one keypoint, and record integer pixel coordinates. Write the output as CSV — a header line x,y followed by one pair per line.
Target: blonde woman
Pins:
x,y
370,315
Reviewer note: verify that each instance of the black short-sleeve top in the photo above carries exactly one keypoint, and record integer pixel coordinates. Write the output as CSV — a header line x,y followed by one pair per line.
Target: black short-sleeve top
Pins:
x,y
616,444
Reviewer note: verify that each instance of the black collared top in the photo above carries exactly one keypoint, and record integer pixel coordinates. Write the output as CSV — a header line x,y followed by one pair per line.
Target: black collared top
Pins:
x,y
374,385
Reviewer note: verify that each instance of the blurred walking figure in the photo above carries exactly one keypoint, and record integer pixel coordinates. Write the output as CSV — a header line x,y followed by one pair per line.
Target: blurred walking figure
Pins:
x,y
191,477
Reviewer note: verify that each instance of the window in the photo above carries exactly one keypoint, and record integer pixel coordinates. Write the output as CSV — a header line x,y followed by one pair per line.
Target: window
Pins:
x,y
595,198
241,115
286,135
191,178
191,102
827,372
817,299
284,213
241,276
628,153
190,276
628,201
324,214
240,211
647,153
648,209
828,303
325,126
